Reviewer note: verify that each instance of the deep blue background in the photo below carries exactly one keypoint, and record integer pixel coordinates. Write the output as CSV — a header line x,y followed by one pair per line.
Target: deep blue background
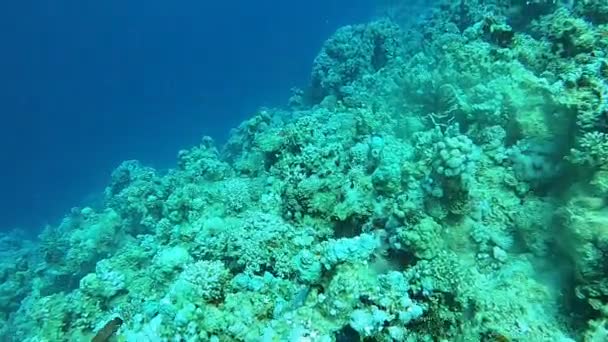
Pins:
x,y
87,84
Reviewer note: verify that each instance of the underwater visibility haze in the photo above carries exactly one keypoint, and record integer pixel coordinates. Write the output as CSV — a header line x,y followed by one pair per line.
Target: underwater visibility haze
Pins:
x,y
92,84
439,173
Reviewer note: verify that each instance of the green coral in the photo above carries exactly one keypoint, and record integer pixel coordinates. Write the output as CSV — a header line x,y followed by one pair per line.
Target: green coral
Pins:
x,y
592,150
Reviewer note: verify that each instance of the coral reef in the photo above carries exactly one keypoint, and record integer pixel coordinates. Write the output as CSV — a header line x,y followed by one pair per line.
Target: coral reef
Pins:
x,y
438,180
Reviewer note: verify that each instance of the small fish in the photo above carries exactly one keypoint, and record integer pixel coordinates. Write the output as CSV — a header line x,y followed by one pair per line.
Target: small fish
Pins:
x,y
108,330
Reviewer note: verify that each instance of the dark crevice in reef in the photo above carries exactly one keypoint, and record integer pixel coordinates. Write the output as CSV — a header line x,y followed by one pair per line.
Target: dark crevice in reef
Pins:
x,y
348,228
403,258
379,57
347,334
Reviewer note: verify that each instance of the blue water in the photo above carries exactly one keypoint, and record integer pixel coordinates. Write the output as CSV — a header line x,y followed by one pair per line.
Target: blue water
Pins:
x,y
87,84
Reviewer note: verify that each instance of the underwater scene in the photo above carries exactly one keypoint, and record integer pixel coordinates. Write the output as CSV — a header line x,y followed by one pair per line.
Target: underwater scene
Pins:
x,y
437,179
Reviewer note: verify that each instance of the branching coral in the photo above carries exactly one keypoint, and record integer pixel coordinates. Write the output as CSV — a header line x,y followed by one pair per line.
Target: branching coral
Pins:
x,y
592,150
